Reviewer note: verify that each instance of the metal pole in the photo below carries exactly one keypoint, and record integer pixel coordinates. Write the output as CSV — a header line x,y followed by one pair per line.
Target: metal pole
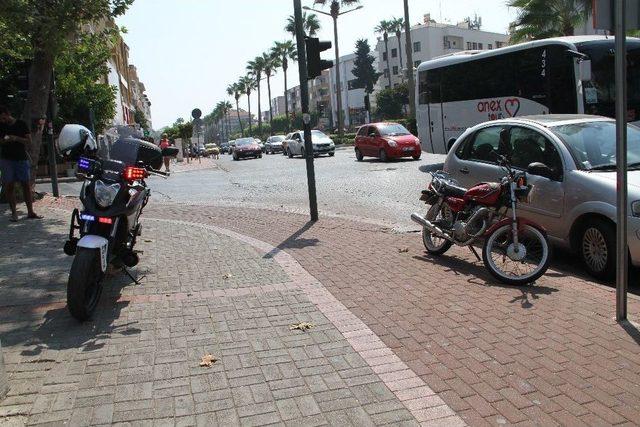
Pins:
x,y
304,96
621,156
409,54
338,88
53,168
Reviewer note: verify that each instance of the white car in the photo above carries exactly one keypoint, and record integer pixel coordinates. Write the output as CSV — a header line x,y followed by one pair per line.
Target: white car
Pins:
x,y
322,144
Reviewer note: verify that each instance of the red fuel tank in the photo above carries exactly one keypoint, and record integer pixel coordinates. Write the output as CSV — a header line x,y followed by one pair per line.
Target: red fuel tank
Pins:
x,y
485,193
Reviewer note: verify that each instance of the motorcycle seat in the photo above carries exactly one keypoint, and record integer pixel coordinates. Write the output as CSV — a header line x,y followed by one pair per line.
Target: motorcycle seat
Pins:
x,y
452,190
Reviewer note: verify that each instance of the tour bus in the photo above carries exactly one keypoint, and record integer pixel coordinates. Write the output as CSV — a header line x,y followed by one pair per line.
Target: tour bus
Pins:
x,y
558,75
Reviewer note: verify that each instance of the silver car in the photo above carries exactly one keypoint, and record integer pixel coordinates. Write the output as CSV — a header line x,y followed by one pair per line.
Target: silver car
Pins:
x,y
322,144
577,204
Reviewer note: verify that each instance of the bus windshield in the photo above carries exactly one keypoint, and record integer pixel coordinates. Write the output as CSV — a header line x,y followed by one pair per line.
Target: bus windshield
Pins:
x,y
599,93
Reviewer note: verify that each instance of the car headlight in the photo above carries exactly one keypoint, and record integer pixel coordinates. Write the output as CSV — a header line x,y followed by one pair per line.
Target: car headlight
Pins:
x,y
417,141
392,143
635,208
105,194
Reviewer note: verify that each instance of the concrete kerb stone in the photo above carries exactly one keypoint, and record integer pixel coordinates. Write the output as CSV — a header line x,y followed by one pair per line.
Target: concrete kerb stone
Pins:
x,y
4,381
407,386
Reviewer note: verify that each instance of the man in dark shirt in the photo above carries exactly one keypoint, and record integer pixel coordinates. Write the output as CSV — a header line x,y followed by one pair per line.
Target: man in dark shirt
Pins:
x,y
14,161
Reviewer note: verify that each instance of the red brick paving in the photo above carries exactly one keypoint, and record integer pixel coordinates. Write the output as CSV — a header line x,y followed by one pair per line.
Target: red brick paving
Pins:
x,y
549,353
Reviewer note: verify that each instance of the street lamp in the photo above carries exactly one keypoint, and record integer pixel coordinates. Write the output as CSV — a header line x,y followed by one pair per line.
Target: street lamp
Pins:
x,y
337,63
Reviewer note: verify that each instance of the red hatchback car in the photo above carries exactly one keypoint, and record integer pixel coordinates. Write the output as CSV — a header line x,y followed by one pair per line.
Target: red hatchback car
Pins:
x,y
386,141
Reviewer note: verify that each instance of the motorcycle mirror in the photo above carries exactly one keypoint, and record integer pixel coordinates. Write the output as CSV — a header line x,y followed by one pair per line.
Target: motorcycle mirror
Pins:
x,y
540,169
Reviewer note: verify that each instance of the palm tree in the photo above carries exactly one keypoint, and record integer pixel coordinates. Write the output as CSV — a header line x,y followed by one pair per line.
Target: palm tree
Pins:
x,y
285,51
271,63
384,27
235,90
248,84
539,19
227,107
334,11
310,24
397,24
256,68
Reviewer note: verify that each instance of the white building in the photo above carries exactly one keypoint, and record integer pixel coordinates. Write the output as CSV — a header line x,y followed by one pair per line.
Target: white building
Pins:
x,y
353,110
277,106
431,39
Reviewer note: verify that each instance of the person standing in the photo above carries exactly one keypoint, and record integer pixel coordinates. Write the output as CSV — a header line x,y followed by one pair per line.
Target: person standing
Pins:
x,y
15,137
165,143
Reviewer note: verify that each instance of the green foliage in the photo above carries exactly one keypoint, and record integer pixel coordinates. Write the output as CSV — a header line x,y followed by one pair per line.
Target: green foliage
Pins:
x,y
391,100
363,69
347,139
180,129
141,119
538,19
310,24
81,63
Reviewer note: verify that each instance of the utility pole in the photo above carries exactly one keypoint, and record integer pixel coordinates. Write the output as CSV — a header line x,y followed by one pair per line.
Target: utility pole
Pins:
x,y
411,84
622,274
304,95
53,168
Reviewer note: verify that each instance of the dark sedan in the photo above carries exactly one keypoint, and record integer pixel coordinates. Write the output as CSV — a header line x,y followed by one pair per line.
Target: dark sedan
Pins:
x,y
246,147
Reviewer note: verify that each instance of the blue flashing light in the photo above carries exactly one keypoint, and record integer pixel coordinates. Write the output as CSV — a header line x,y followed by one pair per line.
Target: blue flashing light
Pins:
x,y
84,163
86,217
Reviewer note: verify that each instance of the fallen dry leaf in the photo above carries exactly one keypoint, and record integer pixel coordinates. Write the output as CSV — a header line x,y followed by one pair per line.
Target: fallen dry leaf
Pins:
x,y
303,326
403,250
207,360
226,276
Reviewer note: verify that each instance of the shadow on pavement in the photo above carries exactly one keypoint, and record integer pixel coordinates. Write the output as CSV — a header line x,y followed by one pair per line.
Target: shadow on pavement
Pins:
x,y
632,330
294,241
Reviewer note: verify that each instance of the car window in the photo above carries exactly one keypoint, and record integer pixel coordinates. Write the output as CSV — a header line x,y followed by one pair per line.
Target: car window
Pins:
x,y
363,130
373,131
486,143
529,146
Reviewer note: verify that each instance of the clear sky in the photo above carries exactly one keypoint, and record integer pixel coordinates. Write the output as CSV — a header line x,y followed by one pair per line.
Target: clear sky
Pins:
x,y
188,51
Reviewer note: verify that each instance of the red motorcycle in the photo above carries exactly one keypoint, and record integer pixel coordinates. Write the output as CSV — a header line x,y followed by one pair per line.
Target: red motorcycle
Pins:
x,y
515,251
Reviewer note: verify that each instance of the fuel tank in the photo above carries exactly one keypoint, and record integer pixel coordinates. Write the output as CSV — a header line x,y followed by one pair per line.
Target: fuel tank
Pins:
x,y
485,193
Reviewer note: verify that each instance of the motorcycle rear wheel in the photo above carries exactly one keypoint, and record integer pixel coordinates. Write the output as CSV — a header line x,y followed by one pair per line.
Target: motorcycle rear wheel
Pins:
x,y
504,264
437,245
84,287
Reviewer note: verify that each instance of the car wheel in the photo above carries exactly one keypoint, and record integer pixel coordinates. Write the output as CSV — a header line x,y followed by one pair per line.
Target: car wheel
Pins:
x,y
383,156
289,153
259,156
331,153
597,248
359,155
235,157
302,153
416,157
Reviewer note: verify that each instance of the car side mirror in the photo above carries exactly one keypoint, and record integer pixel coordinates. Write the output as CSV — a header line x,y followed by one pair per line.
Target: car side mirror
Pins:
x,y
540,169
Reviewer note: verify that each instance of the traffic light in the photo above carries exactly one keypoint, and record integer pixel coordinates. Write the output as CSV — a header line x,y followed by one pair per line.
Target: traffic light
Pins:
x,y
315,65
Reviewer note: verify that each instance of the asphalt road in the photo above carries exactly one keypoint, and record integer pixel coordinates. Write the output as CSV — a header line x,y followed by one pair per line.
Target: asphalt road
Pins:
x,y
380,192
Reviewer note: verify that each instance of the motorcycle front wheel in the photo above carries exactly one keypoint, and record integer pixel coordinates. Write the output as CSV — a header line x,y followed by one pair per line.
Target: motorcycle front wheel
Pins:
x,y
85,284
433,244
516,264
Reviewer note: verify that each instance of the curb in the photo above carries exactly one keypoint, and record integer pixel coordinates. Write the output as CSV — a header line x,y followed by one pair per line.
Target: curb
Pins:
x,y
4,382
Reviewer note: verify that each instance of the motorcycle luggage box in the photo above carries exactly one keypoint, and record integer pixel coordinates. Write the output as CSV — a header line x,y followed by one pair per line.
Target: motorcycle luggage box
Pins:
x,y
150,154
170,152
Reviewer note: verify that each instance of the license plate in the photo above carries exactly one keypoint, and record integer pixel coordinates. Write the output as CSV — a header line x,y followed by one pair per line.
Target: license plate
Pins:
x,y
407,149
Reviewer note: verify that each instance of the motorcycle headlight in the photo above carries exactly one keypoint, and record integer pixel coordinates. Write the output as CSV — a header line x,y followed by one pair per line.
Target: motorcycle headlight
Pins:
x,y
635,208
105,194
392,143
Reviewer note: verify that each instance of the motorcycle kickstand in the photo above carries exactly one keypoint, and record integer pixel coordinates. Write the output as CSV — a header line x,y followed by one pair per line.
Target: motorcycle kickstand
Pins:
x,y
136,281
475,252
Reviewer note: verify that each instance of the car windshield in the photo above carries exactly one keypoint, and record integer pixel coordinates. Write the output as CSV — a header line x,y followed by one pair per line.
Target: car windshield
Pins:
x,y
392,129
277,138
245,141
593,144
316,135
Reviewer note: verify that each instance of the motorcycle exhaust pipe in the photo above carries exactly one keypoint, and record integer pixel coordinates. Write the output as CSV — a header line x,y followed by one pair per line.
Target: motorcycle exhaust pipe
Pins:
x,y
416,217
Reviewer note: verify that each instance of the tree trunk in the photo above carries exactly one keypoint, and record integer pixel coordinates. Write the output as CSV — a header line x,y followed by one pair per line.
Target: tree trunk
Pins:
x,y
270,107
386,48
37,100
249,108
399,35
259,107
286,98
239,121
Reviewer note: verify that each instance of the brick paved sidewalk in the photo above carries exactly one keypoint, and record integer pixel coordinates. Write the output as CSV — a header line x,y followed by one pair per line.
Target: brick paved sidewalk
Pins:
x,y
204,290
193,165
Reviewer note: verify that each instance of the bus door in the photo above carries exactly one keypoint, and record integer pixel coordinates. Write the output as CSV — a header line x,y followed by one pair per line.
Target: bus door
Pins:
x,y
436,120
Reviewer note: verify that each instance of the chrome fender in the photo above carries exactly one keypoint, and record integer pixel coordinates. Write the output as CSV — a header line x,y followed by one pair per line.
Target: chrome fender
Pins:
x,y
96,242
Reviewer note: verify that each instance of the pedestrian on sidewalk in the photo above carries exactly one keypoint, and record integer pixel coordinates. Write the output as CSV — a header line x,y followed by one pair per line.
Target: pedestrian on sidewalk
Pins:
x,y
165,143
15,137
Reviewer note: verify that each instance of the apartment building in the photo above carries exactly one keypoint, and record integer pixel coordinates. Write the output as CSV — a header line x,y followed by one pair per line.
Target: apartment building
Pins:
x,y
353,104
431,39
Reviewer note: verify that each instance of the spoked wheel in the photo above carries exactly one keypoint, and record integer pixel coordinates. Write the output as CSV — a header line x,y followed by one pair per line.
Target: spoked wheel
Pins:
x,y
85,284
433,244
516,264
